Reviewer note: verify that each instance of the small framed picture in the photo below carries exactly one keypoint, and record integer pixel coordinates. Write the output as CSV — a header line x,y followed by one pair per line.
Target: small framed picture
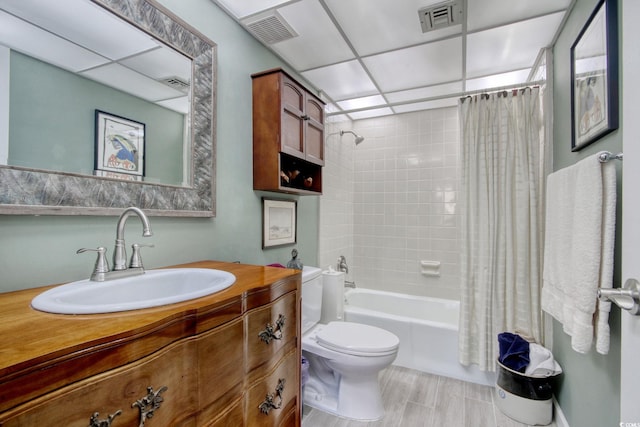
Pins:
x,y
120,144
594,77
279,222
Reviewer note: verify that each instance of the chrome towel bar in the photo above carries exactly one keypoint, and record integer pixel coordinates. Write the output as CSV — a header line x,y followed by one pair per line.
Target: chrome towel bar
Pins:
x,y
627,298
605,156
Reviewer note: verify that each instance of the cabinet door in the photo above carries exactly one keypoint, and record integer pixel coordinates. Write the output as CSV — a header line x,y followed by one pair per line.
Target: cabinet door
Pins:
x,y
314,128
292,127
271,333
273,401
118,390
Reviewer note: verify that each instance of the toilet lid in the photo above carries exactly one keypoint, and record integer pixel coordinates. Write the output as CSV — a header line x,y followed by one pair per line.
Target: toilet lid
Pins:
x,y
357,339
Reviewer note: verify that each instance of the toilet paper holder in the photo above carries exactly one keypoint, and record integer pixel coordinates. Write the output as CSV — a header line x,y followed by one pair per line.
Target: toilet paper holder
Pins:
x,y
627,298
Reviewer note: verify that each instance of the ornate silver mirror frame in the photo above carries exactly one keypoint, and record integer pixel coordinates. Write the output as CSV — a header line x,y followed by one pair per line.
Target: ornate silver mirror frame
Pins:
x,y
31,191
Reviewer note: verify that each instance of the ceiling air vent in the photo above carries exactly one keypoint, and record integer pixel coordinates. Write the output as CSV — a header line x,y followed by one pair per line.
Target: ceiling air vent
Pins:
x,y
270,28
176,83
441,15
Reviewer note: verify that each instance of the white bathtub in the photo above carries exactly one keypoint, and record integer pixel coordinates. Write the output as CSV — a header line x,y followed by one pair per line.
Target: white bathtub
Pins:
x,y
427,328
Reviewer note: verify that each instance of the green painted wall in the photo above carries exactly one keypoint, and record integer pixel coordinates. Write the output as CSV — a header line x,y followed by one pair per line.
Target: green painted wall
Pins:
x,y
589,394
51,121
40,250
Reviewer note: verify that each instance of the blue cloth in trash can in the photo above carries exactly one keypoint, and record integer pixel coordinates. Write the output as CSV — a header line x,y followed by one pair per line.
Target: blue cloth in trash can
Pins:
x,y
514,351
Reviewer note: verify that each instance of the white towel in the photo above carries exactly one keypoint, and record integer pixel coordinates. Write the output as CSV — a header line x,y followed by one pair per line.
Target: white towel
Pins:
x,y
578,255
541,362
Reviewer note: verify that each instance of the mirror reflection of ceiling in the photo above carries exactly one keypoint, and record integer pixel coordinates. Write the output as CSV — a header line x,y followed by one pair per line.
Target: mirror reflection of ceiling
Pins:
x,y
83,38
371,58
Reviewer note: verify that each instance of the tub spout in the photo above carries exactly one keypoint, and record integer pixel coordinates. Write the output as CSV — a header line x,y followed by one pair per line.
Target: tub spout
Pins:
x,y
349,284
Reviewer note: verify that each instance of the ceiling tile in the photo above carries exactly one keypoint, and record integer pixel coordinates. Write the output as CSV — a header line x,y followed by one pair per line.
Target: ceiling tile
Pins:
x,y
377,112
120,77
510,47
424,65
368,101
375,26
342,81
426,105
498,80
181,105
86,23
161,63
425,92
318,44
491,13
243,8
33,41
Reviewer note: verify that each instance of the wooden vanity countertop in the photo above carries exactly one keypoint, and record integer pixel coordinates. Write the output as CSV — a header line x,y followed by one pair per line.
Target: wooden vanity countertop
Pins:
x,y
41,348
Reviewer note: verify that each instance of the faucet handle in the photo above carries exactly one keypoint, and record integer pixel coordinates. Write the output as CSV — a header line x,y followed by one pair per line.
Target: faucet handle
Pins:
x,y
136,259
102,265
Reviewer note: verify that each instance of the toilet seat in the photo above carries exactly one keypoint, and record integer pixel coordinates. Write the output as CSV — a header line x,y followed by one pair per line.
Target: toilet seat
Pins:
x,y
357,339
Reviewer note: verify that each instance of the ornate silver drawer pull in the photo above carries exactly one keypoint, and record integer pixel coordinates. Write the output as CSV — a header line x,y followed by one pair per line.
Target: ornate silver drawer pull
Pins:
x,y
95,422
271,333
269,400
149,404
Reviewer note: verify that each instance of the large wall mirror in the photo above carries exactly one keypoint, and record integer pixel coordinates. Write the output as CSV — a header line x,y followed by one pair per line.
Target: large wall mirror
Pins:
x,y
105,104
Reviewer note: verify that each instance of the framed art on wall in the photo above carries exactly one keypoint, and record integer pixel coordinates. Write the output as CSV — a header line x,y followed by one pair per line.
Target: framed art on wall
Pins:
x,y
279,222
594,77
120,144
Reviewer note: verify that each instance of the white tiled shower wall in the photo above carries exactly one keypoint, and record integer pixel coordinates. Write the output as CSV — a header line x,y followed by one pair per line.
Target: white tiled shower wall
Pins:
x,y
392,202
336,203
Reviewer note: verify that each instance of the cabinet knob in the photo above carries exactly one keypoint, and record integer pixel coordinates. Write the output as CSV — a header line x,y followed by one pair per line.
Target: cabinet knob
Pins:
x,y
95,422
149,404
270,333
270,399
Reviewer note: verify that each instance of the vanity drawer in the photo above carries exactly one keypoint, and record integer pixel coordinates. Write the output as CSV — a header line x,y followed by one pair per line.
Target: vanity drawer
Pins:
x,y
221,381
271,332
118,390
232,416
274,398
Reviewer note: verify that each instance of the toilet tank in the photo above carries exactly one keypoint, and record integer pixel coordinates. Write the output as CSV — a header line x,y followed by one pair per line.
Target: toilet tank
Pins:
x,y
311,297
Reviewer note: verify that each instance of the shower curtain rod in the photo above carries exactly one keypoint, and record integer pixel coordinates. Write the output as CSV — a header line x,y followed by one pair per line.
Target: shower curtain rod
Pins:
x,y
439,97
500,92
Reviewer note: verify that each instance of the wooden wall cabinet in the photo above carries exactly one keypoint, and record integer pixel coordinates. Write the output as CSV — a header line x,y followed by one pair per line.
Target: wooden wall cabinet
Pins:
x,y
231,359
288,135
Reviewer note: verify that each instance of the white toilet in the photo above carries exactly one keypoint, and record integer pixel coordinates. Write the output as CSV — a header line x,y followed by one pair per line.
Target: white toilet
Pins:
x,y
344,357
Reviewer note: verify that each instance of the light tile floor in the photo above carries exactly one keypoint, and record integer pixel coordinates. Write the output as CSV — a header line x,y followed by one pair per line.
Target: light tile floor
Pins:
x,y
417,399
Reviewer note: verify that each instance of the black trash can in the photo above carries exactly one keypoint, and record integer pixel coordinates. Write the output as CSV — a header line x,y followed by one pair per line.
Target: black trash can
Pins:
x,y
526,399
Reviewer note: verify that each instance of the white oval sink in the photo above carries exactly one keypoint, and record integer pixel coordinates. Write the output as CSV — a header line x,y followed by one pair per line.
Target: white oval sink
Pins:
x,y
151,289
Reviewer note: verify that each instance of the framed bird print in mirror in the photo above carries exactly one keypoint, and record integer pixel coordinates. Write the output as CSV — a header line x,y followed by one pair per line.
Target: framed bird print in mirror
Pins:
x,y
119,147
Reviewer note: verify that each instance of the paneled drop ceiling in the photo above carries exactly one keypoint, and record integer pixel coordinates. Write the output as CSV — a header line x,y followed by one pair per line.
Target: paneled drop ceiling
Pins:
x,y
82,37
371,57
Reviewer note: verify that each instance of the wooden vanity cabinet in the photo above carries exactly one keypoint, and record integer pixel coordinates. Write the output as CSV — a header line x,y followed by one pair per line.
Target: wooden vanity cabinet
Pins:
x,y
288,135
115,391
222,372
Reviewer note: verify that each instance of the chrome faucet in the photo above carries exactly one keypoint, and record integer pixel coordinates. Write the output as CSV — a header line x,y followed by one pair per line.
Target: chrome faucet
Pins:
x,y
101,271
119,252
342,264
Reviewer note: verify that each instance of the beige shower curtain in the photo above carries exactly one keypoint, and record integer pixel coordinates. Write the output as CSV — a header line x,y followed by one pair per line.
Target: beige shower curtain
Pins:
x,y
502,186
